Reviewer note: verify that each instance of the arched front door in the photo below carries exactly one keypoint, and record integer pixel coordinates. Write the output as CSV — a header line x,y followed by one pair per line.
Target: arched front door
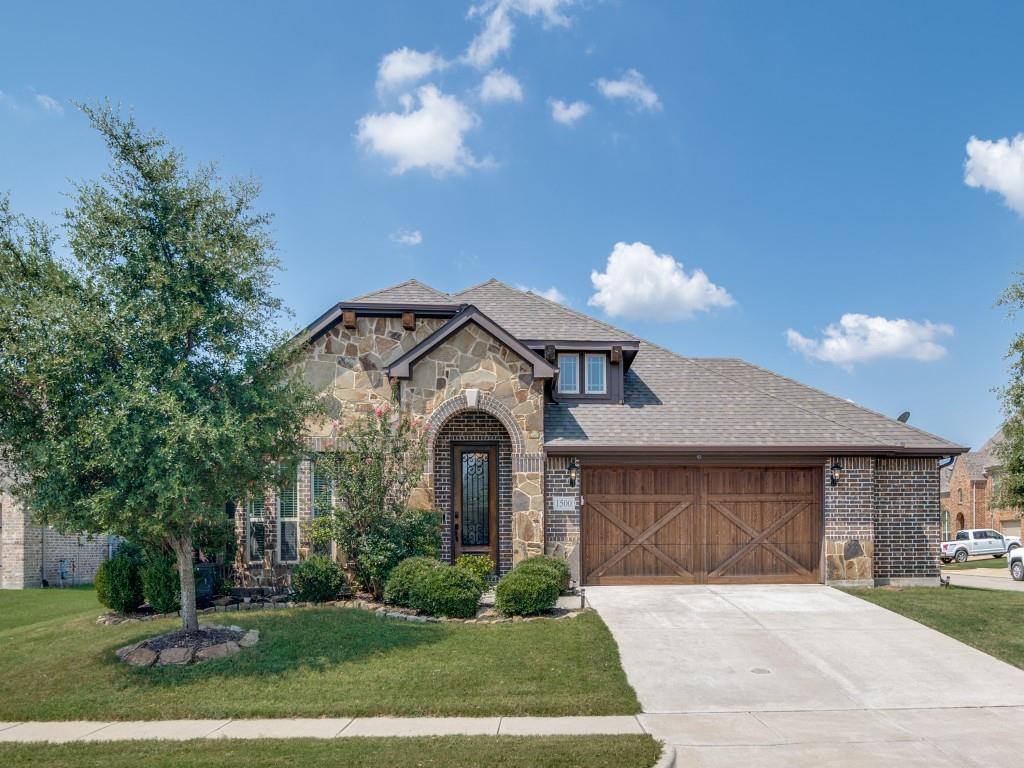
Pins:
x,y
475,500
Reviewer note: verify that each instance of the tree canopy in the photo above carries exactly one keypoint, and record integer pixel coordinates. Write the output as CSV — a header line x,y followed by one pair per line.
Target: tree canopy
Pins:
x,y
144,376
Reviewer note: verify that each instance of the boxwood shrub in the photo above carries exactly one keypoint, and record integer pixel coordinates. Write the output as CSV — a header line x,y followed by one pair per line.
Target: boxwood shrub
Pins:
x,y
480,566
318,579
556,566
124,580
447,591
399,587
161,585
526,591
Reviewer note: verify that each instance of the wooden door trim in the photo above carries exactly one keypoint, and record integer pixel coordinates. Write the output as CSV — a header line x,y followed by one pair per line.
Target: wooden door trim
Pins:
x,y
457,449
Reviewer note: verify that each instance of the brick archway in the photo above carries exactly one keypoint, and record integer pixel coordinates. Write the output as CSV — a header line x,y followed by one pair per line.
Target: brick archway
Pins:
x,y
485,403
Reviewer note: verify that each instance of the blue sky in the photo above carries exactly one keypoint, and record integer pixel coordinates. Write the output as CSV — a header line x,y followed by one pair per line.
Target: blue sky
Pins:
x,y
766,167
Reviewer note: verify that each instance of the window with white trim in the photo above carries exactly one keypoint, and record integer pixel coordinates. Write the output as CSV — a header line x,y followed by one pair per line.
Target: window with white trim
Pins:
x,y
288,523
595,378
569,373
322,496
256,528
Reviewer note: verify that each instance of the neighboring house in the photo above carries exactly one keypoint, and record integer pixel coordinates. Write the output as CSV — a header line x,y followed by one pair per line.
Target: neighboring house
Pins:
x,y
551,431
973,486
34,555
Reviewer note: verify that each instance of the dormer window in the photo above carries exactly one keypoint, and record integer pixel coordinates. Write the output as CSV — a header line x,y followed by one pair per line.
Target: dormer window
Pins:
x,y
596,380
569,374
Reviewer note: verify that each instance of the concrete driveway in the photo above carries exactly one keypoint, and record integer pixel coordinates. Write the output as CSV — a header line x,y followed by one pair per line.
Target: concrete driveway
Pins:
x,y
795,675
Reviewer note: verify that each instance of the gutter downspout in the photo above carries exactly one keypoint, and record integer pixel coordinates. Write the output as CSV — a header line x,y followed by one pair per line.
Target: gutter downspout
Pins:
x,y
974,504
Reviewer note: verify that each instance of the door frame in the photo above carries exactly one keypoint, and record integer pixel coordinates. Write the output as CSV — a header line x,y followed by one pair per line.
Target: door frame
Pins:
x,y
474,446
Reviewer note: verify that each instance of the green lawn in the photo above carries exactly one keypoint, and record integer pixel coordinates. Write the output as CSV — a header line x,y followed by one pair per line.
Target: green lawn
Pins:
x,y
447,752
988,562
986,619
58,664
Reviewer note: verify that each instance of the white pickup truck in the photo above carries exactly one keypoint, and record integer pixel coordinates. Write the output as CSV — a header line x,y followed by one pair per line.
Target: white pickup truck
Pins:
x,y
977,541
1015,561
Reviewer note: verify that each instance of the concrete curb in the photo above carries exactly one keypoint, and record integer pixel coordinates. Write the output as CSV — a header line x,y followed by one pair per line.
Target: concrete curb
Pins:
x,y
667,758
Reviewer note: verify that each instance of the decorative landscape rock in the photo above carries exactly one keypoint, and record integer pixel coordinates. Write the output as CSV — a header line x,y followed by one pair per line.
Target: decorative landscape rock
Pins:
x,y
211,641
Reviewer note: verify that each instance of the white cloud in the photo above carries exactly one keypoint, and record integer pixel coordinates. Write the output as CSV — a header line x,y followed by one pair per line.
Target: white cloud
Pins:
x,y
49,104
638,282
498,85
859,338
496,36
997,166
568,114
430,137
632,87
405,67
551,294
407,237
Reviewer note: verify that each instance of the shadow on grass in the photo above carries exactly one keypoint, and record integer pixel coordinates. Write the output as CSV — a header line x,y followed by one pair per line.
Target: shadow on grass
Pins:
x,y
299,639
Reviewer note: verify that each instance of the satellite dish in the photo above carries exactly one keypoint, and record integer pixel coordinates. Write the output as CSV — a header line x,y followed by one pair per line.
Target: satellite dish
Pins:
x,y
904,417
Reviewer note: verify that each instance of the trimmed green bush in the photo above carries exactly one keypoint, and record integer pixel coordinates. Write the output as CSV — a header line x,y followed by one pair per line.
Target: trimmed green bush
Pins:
x,y
161,585
318,579
556,566
524,592
480,566
447,591
125,579
399,587
101,582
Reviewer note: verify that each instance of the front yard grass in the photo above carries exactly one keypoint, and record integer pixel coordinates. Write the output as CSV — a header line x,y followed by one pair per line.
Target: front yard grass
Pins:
x,y
988,562
440,752
326,662
986,619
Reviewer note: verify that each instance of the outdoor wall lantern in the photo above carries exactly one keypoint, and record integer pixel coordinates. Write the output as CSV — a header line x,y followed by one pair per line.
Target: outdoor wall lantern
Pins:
x,y
574,469
834,472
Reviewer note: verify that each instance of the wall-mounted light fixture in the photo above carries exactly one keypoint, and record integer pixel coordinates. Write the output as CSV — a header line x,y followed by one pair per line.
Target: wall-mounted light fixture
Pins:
x,y
574,470
834,472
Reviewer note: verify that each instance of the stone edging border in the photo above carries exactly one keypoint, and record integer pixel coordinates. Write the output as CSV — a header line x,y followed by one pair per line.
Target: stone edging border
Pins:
x,y
385,611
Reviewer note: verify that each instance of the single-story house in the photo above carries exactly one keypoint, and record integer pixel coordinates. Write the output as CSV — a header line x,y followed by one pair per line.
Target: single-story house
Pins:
x,y
550,431
33,555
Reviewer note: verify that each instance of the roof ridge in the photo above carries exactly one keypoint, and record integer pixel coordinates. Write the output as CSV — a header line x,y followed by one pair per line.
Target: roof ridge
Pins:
x,y
849,402
556,305
477,285
410,281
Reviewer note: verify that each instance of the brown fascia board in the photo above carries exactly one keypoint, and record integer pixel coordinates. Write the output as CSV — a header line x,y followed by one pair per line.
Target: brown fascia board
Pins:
x,y
402,367
629,348
711,450
372,309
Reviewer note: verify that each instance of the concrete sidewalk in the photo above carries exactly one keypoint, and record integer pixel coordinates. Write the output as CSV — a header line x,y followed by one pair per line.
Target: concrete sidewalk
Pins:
x,y
326,728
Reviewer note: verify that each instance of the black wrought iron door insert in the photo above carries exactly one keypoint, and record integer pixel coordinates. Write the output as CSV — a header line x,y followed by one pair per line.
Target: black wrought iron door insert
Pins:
x,y
475,504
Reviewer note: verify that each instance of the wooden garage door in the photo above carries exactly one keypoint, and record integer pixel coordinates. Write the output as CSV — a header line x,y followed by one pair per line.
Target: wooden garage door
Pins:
x,y
684,525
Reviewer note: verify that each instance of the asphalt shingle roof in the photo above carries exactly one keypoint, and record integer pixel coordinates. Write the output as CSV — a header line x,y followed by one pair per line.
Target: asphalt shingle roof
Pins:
x,y
677,402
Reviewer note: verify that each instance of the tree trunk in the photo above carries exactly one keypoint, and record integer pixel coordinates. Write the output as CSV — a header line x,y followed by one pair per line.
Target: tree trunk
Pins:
x,y
186,572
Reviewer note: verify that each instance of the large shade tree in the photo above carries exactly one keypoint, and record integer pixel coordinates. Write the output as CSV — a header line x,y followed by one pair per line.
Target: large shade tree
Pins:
x,y
1011,448
144,379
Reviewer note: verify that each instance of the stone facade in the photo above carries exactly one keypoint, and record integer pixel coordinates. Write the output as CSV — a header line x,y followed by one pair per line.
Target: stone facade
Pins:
x,y
850,520
470,379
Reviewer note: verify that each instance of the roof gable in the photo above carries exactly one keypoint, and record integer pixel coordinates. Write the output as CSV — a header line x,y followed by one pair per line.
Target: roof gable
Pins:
x,y
402,367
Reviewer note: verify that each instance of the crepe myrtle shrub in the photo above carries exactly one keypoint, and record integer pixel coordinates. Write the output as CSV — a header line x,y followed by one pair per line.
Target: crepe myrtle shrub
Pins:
x,y
399,587
556,566
144,377
480,566
373,467
318,579
526,592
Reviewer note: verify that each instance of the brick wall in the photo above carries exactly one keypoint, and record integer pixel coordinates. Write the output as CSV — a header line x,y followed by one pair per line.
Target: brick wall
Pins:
x,y
907,522
562,527
474,427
